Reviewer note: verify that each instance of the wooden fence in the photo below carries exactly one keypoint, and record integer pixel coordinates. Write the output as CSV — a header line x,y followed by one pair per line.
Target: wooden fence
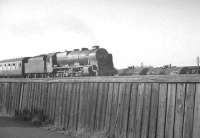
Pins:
x,y
117,107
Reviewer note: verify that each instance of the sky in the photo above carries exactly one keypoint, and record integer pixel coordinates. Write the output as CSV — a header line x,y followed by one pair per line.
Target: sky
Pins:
x,y
155,32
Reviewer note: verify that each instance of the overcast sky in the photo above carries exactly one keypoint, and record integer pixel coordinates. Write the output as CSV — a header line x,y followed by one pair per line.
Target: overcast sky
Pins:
x,y
155,32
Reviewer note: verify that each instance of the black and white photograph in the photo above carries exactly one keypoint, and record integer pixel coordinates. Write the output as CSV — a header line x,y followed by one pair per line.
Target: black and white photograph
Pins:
x,y
99,69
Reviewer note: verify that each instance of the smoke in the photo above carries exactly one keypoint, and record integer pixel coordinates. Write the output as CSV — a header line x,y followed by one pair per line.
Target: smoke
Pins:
x,y
67,24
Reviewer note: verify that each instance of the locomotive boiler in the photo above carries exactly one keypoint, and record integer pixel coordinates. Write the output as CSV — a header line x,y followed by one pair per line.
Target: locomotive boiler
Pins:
x,y
84,62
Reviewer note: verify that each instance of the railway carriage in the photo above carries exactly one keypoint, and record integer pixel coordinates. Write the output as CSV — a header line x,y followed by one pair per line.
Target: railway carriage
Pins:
x,y
12,67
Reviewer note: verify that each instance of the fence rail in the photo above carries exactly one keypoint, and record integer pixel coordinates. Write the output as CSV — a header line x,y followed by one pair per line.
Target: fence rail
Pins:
x,y
119,107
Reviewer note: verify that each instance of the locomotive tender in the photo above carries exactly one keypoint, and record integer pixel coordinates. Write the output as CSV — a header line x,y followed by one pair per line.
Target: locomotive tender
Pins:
x,y
94,62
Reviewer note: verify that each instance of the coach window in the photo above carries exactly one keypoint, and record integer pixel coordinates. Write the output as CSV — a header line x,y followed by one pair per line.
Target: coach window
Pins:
x,y
13,66
9,67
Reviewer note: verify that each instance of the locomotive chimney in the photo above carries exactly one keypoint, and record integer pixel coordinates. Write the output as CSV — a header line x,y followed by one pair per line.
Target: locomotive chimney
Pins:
x,y
76,49
95,47
84,49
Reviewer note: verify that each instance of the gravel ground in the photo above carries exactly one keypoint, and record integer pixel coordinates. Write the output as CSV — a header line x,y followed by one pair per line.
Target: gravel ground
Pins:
x,y
10,128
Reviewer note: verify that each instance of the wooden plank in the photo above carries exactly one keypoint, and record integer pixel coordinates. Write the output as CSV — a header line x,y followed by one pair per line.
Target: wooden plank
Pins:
x,y
39,96
132,112
114,106
43,96
36,89
72,107
15,94
39,105
57,104
162,111
103,105
99,107
179,110
189,111
24,103
146,111
1,94
196,125
139,109
93,105
32,89
108,111
60,105
68,106
12,98
169,127
154,110
55,95
64,101
12,92
126,109
21,97
119,110
48,100
76,112
51,102
81,107
61,111
30,96
46,96
8,98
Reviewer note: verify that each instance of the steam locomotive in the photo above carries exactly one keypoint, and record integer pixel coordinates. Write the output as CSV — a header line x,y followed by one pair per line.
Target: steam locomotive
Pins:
x,y
94,62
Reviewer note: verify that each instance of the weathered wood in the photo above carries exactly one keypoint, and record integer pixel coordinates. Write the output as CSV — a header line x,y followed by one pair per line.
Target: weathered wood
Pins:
x,y
179,111
91,107
74,108
104,105
154,110
196,125
55,95
146,111
94,98
81,106
169,126
100,107
51,102
58,105
126,109
67,112
108,110
139,109
189,111
61,106
47,102
114,107
132,112
162,111
64,105
118,129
